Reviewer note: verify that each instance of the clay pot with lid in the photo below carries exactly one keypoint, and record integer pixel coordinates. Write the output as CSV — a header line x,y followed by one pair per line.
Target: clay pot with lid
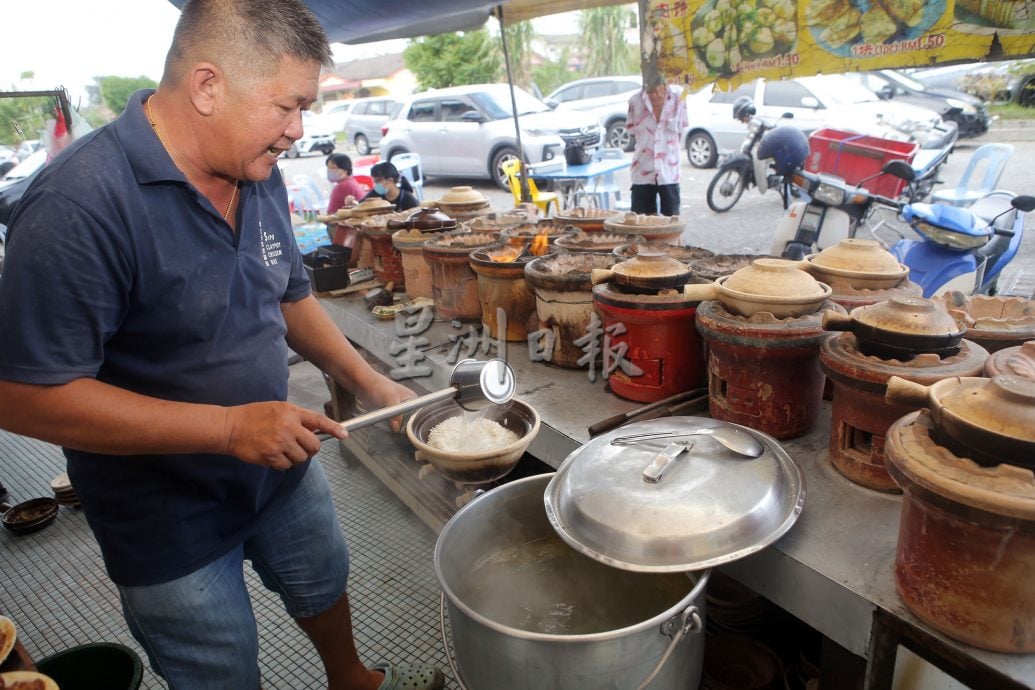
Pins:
x,y
776,286
426,219
462,199
858,264
646,271
583,241
900,327
685,253
991,421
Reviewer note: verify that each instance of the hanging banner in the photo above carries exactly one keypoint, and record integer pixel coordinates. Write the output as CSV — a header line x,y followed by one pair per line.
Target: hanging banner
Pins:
x,y
732,41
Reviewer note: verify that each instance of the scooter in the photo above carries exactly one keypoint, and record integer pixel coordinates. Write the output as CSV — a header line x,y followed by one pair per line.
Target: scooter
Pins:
x,y
963,249
744,170
834,209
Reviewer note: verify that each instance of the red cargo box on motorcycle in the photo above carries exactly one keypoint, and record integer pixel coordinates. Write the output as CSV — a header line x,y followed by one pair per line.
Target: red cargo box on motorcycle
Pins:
x,y
855,157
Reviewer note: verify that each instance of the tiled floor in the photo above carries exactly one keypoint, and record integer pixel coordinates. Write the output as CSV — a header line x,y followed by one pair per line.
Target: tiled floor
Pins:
x,y
54,587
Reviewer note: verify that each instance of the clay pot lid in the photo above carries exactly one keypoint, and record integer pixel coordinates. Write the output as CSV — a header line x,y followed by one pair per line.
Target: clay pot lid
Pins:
x,y
776,278
858,256
646,265
530,230
494,222
1016,361
463,196
581,215
909,316
369,207
1003,404
684,253
710,268
425,219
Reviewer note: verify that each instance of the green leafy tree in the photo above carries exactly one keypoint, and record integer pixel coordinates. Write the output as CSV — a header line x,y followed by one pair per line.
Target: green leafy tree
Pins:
x,y
549,75
602,41
23,117
115,91
470,57
519,45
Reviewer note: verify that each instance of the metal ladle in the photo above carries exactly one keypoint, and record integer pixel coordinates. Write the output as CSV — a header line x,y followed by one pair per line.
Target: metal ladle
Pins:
x,y
737,440
474,384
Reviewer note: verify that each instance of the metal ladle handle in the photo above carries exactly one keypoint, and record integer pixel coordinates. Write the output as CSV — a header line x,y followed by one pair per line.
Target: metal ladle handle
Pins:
x,y
363,420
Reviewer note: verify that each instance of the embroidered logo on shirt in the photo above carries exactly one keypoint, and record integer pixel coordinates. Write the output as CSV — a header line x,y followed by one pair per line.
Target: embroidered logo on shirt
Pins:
x,y
271,247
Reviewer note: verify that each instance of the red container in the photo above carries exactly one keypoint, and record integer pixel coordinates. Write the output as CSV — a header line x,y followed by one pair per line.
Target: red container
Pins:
x,y
857,156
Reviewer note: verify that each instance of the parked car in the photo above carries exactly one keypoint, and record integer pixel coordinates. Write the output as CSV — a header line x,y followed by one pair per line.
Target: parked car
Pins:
x,y
968,112
366,120
316,137
468,131
814,103
334,115
27,148
605,97
1010,81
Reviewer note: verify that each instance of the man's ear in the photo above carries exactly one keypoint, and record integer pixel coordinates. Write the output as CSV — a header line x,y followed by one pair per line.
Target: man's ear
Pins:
x,y
206,87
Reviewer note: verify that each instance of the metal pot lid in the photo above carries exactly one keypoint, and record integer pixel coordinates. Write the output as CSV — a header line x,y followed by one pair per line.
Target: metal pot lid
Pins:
x,y
711,506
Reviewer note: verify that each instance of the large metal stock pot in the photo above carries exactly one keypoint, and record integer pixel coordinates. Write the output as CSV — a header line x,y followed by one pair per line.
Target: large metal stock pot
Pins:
x,y
499,547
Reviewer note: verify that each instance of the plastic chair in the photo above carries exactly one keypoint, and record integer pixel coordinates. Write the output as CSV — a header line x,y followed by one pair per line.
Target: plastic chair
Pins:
x,y
606,186
304,203
308,183
512,169
995,156
408,165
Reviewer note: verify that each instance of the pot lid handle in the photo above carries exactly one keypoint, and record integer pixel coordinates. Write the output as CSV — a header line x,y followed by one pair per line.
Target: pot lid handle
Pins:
x,y
656,469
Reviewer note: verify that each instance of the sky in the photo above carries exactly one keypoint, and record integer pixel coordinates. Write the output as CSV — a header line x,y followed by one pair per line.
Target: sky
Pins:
x,y
70,42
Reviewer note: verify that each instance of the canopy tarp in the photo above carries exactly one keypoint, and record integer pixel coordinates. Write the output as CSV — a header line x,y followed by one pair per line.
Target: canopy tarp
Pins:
x,y
700,41
365,21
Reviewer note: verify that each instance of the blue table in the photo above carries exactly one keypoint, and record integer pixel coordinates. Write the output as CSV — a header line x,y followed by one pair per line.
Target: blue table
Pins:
x,y
578,181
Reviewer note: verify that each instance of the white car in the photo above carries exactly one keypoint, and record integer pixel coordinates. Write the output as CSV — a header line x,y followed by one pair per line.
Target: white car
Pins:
x,y
334,114
316,137
605,97
468,131
833,101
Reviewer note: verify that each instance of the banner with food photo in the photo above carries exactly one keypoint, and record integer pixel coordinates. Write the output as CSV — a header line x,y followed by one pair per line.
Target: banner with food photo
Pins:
x,y
731,41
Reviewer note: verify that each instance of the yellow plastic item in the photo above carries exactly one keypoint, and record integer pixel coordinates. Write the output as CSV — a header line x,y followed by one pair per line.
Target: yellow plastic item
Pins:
x,y
542,200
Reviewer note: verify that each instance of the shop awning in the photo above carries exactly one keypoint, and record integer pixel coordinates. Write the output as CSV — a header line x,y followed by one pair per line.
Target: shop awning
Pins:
x,y
365,21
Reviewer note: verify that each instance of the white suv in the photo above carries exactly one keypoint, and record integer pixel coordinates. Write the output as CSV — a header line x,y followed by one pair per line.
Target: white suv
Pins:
x,y
468,131
607,98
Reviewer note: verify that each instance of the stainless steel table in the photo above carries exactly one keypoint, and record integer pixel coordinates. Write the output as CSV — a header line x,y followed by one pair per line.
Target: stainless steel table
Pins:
x,y
833,570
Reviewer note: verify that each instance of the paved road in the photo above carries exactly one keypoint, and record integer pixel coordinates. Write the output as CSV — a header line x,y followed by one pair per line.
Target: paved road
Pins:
x,y
748,228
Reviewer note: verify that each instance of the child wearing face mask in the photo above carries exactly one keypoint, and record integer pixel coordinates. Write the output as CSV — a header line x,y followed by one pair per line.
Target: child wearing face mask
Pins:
x,y
339,174
388,187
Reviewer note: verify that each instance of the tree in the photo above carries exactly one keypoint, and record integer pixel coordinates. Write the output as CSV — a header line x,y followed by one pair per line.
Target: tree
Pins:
x,y
551,74
519,45
23,117
602,41
469,57
115,91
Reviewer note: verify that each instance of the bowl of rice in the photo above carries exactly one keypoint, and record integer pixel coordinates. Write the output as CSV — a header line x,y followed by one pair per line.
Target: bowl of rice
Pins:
x,y
473,447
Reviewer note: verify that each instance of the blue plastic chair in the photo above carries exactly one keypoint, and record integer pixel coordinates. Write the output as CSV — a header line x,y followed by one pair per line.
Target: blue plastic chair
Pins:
x,y
996,157
606,186
319,198
408,165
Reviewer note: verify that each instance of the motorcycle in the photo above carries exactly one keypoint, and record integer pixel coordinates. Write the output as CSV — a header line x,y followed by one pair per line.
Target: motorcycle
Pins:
x,y
962,249
744,170
833,210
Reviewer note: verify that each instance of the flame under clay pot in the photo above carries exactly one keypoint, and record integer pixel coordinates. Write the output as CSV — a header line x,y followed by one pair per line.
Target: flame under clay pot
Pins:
x,y
454,283
521,235
900,328
502,286
991,421
856,264
993,322
564,299
775,286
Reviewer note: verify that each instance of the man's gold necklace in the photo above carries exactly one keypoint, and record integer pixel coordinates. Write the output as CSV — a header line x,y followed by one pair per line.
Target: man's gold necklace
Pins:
x,y
154,126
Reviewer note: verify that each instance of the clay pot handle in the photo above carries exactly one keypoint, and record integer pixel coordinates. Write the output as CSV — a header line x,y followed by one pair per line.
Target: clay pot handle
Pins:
x,y
906,393
834,321
601,275
699,292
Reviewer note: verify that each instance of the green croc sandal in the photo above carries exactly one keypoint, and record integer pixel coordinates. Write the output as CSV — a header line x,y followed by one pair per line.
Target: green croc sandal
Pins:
x,y
410,677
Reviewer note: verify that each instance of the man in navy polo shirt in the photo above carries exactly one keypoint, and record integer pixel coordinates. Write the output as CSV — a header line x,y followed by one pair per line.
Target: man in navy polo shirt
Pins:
x,y
151,289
